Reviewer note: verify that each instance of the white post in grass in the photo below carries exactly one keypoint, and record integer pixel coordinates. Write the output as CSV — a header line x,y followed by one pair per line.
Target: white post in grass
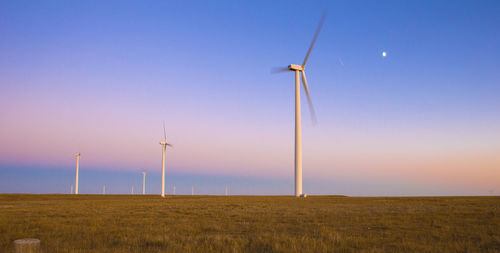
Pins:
x,y
28,245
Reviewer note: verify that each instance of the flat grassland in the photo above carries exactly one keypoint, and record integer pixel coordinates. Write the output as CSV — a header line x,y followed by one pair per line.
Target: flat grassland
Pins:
x,y
135,223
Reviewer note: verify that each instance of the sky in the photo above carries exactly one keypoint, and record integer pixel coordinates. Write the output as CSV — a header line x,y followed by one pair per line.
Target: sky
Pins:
x,y
101,77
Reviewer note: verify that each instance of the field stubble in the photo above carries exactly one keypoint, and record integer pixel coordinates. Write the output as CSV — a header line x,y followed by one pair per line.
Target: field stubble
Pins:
x,y
135,223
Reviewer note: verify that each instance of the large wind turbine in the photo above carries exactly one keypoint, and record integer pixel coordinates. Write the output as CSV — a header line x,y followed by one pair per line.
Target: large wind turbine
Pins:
x,y
164,145
77,167
300,73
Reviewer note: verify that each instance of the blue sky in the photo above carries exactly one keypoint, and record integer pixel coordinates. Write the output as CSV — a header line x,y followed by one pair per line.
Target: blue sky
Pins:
x,y
101,77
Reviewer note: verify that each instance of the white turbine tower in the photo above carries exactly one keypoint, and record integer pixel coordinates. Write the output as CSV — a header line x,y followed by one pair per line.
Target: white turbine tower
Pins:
x,y
164,145
143,182
103,189
300,73
77,168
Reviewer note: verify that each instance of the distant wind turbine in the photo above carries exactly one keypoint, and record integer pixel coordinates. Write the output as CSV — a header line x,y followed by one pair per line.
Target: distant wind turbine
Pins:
x,y
132,191
103,189
77,167
192,190
174,189
164,145
71,189
143,182
300,72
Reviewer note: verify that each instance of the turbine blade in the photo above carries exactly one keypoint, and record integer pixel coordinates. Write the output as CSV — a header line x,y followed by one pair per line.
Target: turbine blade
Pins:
x,y
277,70
170,145
164,132
315,37
309,101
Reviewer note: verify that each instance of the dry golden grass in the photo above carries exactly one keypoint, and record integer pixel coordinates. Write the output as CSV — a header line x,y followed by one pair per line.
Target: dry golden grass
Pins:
x,y
113,223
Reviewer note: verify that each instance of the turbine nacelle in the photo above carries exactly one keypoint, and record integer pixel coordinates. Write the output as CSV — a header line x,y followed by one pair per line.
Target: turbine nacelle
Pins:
x,y
164,143
295,67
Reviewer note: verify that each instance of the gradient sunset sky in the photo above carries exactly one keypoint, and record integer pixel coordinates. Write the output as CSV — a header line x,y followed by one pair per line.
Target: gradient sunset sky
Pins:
x,y
100,77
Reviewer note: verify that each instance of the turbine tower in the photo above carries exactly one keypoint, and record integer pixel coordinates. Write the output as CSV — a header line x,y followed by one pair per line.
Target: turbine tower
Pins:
x,y
300,73
77,167
164,145
143,182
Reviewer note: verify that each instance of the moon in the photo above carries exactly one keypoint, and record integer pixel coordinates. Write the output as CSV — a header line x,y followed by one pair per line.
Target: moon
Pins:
x,y
384,54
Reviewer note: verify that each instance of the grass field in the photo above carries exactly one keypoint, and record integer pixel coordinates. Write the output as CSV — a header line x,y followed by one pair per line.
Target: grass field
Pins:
x,y
134,223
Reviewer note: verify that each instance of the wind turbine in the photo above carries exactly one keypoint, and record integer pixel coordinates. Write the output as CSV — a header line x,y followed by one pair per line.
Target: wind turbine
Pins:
x,y
143,182
77,167
300,73
164,145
